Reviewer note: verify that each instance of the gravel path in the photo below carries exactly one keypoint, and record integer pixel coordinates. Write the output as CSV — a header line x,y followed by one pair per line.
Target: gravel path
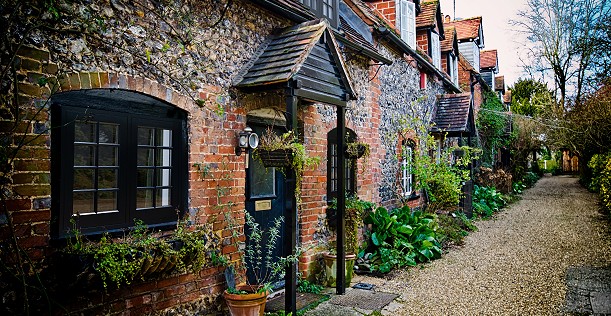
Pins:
x,y
515,264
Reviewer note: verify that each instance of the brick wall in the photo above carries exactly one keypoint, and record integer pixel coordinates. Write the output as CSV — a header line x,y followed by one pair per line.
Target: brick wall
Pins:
x,y
422,40
387,8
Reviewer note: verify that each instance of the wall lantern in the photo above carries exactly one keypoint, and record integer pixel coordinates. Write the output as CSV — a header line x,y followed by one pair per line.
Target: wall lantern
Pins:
x,y
246,140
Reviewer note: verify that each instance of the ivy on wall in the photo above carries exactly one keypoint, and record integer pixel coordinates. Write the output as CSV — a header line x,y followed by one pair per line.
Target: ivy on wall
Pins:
x,y
491,123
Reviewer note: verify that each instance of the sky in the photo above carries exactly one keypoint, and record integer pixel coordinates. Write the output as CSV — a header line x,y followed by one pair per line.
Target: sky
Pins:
x,y
498,32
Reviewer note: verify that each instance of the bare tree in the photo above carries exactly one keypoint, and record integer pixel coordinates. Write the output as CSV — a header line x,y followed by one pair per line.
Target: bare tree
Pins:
x,y
565,41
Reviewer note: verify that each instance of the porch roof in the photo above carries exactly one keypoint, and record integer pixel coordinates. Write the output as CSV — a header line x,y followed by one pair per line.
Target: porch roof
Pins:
x,y
454,115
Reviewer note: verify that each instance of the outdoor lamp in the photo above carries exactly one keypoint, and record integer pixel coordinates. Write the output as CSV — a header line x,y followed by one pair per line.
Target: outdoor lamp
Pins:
x,y
246,140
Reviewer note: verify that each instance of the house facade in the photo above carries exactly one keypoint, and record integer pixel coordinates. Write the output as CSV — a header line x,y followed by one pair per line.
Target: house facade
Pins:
x,y
120,111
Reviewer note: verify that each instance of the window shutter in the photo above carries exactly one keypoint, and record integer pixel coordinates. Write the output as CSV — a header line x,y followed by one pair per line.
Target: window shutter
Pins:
x,y
435,50
407,22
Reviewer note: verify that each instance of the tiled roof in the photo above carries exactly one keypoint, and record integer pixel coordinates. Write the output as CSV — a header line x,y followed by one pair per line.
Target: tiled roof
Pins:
x,y
427,15
499,83
352,35
468,28
488,59
452,113
284,55
448,43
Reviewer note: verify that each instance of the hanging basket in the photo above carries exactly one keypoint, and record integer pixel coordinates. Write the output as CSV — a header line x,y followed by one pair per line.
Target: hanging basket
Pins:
x,y
355,151
275,158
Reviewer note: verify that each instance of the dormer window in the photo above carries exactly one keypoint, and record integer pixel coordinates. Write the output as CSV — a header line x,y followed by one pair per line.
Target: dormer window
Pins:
x,y
407,21
435,50
328,9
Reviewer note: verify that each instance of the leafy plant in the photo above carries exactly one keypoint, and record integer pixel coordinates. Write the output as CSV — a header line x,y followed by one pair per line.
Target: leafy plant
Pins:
x,y
139,253
401,238
530,178
270,141
518,187
355,210
257,255
487,201
306,286
453,228
601,178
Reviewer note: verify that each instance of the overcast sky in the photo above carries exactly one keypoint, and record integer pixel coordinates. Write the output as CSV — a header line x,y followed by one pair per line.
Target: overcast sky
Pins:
x,y
498,32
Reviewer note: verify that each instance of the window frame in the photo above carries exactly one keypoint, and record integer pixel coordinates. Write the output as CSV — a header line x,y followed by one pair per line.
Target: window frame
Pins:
x,y
407,178
70,107
407,21
435,49
350,171
319,6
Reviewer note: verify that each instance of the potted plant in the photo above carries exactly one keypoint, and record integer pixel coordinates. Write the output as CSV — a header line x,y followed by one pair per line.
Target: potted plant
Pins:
x,y
357,150
140,254
249,297
356,209
282,151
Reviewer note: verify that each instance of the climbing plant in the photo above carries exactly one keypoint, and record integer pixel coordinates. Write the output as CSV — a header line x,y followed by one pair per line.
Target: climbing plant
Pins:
x,y
491,123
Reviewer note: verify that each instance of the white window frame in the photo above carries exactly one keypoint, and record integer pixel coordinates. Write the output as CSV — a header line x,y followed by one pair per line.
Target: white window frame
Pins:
x,y
435,50
454,61
407,179
407,21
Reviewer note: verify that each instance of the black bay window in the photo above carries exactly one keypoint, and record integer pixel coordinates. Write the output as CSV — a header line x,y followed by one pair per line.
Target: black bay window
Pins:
x,y
117,156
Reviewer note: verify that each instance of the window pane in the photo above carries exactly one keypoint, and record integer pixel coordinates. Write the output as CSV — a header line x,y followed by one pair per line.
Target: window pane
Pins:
x,y
107,201
108,156
108,133
146,136
263,179
164,157
107,178
84,155
163,198
163,177
146,157
82,202
83,179
84,132
145,177
144,198
164,138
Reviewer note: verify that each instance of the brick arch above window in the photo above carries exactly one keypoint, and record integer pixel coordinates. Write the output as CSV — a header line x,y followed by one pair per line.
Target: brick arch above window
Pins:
x,y
110,80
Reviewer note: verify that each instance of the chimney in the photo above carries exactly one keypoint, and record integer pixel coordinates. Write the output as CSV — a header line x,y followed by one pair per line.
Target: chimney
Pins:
x,y
447,19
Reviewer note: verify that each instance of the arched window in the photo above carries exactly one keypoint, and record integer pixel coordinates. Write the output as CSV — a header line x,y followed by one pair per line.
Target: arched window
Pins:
x,y
332,165
116,156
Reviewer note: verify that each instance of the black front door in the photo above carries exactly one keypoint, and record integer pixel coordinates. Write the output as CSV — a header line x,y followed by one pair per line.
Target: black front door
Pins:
x,y
265,202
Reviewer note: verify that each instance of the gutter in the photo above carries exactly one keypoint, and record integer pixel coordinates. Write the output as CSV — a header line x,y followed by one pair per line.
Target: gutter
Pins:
x,y
363,50
395,39
299,18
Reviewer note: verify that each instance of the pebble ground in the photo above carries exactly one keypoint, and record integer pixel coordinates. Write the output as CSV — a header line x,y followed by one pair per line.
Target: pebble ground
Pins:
x,y
515,264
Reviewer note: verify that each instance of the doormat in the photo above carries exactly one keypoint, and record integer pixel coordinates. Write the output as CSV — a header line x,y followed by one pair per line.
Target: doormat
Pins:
x,y
368,300
588,290
303,300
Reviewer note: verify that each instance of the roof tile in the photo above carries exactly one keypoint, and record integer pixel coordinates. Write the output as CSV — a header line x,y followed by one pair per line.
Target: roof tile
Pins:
x,y
452,113
427,15
488,59
447,44
468,28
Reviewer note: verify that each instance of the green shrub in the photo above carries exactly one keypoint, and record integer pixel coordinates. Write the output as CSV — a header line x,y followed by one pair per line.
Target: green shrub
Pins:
x,y
487,201
601,178
530,178
453,228
401,238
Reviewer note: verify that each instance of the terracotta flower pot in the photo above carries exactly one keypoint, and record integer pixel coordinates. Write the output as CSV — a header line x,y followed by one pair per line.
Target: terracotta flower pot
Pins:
x,y
251,304
331,268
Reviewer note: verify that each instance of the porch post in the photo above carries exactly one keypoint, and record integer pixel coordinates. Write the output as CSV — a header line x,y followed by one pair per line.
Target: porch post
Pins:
x,y
341,201
290,287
